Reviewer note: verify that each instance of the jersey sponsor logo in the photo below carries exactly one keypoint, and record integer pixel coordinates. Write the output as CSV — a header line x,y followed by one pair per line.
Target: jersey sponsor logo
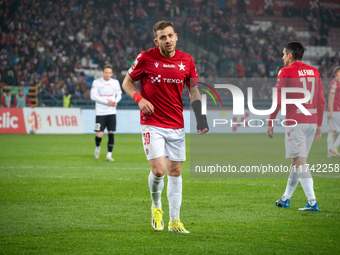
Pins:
x,y
181,67
168,66
156,64
312,111
166,80
102,95
306,72
156,79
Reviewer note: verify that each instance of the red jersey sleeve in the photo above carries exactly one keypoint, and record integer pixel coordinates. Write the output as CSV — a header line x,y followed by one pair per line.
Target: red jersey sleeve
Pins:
x,y
192,78
137,70
28,102
3,101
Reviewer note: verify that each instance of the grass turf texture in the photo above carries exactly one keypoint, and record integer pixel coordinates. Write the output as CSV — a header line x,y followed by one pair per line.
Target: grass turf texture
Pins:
x,y
55,198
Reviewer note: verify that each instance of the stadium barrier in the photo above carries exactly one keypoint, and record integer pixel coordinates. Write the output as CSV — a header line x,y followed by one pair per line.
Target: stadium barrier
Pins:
x,y
41,120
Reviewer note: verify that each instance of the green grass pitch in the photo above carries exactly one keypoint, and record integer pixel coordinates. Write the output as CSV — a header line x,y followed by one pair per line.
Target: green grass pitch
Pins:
x,y
55,198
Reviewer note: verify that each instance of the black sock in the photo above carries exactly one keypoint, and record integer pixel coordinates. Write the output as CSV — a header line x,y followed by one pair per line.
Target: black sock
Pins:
x,y
98,140
110,142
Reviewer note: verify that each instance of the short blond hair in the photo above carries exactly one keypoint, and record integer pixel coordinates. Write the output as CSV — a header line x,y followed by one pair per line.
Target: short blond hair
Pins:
x,y
160,25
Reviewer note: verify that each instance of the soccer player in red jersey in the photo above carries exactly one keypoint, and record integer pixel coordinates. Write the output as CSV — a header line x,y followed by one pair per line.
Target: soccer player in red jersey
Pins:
x,y
299,137
163,71
334,115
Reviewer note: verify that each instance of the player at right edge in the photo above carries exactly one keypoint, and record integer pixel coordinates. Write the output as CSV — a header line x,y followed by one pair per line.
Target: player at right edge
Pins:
x,y
299,138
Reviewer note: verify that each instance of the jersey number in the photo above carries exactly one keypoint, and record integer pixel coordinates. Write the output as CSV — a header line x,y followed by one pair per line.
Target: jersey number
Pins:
x,y
146,138
309,88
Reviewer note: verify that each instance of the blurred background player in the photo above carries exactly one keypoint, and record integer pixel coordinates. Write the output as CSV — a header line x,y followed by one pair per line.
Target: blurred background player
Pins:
x,y
106,92
6,99
299,138
163,71
21,100
334,115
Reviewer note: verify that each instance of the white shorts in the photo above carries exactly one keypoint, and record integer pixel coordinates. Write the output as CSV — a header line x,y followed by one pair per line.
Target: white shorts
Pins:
x,y
299,139
166,142
334,122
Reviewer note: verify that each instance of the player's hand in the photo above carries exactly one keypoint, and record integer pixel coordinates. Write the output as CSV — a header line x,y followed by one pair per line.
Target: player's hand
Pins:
x,y
202,125
270,132
318,134
146,107
329,115
202,132
112,103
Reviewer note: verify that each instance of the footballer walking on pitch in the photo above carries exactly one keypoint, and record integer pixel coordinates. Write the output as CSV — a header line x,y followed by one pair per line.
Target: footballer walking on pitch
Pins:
x,y
106,92
299,138
333,123
163,71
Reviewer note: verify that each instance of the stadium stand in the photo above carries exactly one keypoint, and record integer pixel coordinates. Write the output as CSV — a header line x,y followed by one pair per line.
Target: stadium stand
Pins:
x,y
59,46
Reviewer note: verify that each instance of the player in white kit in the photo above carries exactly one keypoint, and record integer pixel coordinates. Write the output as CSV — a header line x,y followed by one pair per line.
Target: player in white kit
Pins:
x,y
163,71
333,123
106,92
299,138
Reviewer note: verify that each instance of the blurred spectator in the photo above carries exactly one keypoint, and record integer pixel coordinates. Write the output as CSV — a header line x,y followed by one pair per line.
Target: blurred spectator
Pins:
x,y
6,99
323,41
21,100
10,79
240,73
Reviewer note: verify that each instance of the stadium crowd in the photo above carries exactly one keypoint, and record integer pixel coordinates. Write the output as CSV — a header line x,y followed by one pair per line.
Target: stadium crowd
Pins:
x,y
51,44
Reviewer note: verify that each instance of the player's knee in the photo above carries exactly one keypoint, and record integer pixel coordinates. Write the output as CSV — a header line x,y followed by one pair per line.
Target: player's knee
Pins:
x,y
158,172
100,134
332,131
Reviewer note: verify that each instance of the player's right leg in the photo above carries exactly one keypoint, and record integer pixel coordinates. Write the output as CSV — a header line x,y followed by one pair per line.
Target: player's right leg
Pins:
x,y
98,139
153,142
99,129
156,185
292,182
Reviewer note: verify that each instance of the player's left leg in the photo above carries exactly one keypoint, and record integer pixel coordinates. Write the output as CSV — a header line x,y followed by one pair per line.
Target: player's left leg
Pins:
x,y
175,155
110,145
111,127
304,173
174,193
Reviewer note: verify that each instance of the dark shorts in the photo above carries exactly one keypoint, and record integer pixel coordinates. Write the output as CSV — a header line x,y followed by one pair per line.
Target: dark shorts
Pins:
x,y
107,121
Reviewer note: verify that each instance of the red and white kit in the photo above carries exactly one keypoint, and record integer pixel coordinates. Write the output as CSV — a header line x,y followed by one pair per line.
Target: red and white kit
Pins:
x,y
334,122
300,75
102,91
162,81
299,138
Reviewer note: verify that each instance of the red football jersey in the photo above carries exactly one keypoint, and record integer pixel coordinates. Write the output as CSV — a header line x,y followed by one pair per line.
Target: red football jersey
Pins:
x,y
162,81
300,75
334,87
